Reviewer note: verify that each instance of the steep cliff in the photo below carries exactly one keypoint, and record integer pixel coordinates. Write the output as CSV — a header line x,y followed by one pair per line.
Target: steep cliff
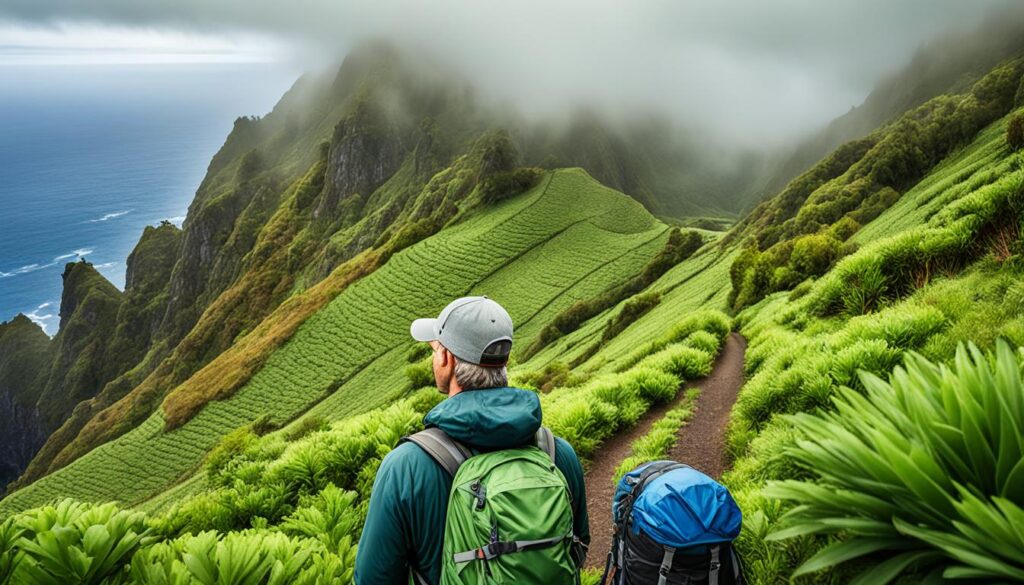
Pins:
x,y
24,355
83,359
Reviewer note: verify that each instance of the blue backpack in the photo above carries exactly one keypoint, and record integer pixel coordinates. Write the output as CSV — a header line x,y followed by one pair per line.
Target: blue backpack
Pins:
x,y
673,526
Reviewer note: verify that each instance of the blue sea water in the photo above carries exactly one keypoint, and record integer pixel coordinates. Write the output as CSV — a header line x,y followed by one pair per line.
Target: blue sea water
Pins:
x,y
90,155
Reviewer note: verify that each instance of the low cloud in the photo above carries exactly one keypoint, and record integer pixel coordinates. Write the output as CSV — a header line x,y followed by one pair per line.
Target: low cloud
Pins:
x,y
749,72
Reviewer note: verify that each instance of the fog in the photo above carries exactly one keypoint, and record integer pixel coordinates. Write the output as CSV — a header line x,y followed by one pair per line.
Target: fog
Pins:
x,y
745,73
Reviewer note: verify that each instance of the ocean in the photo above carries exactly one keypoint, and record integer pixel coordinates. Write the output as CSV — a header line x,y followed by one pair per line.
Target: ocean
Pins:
x,y
90,155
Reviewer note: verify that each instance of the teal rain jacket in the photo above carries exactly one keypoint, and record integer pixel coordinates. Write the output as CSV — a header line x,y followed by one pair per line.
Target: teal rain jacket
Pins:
x,y
404,528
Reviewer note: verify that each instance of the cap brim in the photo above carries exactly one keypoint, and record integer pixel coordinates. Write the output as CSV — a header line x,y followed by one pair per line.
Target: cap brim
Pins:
x,y
424,329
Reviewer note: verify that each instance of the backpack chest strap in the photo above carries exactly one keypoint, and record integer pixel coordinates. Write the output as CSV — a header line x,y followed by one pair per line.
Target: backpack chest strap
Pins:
x,y
495,549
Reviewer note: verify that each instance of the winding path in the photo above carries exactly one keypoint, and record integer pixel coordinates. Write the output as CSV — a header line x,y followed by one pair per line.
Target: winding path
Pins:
x,y
701,441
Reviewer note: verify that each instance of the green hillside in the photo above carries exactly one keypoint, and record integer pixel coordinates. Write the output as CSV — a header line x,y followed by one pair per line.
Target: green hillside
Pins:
x,y
876,437
349,167
940,268
564,240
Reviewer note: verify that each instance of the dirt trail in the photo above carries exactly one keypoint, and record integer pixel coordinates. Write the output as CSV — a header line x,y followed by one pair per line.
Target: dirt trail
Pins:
x,y
701,441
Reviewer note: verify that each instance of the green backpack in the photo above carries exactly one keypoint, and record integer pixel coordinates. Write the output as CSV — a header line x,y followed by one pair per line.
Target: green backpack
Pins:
x,y
509,514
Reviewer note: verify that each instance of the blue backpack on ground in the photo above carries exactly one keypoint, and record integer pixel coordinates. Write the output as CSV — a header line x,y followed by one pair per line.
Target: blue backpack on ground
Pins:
x,y
673,526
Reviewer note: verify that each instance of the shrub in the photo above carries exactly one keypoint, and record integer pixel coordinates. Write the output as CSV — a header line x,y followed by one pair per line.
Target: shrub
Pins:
x,y
715,323
554,375
625,398
252,557
904,327
263,425
420,375
632,310
1015,132
889,269
704,341
653,385
805,385
865,292
504,184
583,421
230,446
418,352
680,360
918,472
870,355
308,424
812,255
329,516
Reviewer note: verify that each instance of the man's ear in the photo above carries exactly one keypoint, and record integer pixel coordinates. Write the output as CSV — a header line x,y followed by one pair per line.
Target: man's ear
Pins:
x,y
447,358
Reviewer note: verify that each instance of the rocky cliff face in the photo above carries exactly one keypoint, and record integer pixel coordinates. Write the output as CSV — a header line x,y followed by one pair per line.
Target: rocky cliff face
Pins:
x,y
82,362
366,150
20,437
24,356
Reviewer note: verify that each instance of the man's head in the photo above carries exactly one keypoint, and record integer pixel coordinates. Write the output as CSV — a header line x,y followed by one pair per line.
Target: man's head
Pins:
x,y
472,339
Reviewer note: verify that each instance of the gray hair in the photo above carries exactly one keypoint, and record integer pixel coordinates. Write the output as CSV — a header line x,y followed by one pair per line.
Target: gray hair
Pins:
x,y
472,377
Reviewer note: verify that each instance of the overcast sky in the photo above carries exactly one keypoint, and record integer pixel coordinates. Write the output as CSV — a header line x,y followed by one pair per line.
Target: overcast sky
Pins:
x,y
765,70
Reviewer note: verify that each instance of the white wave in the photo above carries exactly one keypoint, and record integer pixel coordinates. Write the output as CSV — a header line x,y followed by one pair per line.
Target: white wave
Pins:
x,y
44,305
111,216
26,269
74,254
104,265
33,267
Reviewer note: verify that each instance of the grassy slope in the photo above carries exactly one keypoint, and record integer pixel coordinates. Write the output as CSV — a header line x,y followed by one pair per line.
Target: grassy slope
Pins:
x,y
699,282
798,356
979,164
564,239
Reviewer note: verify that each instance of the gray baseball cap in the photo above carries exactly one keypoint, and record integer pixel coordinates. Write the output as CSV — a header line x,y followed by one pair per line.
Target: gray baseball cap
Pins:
x,y
475,329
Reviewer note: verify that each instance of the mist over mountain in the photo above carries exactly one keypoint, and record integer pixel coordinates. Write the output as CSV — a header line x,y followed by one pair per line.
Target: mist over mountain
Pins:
x,y
742,73
697,261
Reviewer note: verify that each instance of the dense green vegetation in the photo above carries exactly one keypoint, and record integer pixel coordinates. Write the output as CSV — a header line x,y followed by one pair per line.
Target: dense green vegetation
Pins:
x,y
349,356
941,267
800,233
288,506
925,472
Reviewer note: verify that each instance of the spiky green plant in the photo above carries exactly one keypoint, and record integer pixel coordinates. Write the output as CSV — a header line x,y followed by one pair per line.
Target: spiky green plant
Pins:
x,y
73,542
9,555
923,473
240,558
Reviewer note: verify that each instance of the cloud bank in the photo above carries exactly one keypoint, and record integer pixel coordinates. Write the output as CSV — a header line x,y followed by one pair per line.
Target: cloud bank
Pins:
x,y
758,72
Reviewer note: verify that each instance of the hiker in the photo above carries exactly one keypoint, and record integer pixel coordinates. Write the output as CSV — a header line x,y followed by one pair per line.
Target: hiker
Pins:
x,y
514,515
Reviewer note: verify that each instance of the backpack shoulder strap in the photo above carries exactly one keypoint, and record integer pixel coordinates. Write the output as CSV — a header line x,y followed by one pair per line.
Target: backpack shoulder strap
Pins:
x,y
545,439
449,453
653,471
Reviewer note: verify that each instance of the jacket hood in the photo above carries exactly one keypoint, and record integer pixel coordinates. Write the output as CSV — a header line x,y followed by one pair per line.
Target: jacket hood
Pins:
x,y
491,418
